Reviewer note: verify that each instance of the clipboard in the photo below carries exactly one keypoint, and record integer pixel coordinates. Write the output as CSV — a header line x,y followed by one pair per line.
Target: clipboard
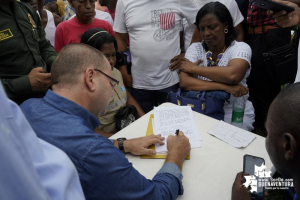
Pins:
x,y
160,155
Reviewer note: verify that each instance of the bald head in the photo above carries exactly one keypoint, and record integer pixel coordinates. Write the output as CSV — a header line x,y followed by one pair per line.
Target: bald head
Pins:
x,y
282,142
284,112
72,60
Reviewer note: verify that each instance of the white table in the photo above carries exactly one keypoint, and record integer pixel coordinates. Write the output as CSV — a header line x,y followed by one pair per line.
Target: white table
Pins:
x,y
212,169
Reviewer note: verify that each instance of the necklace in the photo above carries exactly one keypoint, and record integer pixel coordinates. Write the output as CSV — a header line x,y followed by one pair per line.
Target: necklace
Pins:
x,y
210,62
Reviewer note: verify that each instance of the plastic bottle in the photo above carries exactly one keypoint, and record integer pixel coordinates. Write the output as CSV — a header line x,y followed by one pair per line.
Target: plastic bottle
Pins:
x,y
238,111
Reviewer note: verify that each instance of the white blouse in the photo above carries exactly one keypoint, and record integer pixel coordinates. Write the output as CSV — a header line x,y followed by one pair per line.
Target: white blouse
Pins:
x,y
239,50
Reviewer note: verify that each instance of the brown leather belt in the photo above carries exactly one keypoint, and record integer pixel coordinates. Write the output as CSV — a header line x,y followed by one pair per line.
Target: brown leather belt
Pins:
x,y
258,29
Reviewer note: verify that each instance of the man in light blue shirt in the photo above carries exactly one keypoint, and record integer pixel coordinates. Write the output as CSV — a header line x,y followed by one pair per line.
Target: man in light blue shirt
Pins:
x,y
30,167
67,116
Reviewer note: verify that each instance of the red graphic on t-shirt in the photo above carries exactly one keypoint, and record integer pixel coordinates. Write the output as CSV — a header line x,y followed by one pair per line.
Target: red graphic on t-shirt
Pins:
x,y
167,20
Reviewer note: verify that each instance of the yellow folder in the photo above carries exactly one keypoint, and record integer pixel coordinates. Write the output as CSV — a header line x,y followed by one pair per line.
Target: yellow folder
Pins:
x,y
158,154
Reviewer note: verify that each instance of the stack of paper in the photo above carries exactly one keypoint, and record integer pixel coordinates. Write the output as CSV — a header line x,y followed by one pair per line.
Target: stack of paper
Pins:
x,y
232,135
168,119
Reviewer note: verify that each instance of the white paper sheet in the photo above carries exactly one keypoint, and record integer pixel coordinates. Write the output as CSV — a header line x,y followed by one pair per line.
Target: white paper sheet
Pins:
x,y
168,119
232,135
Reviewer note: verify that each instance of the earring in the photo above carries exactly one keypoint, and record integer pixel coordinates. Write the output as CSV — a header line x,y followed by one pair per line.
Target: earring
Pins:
x,y
225,30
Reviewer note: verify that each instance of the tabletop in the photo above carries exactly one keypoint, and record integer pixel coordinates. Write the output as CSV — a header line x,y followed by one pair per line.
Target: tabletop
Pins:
x,y
211,170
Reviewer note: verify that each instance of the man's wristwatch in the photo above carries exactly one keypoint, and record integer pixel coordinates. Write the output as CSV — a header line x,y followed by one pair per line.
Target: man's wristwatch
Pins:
x,y
121,146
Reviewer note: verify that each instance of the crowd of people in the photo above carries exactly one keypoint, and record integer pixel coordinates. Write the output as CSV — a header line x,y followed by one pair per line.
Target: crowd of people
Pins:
x,y
84,60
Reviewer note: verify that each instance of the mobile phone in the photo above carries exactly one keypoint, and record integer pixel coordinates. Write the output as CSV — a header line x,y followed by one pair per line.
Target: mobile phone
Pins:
x,y
271,5
249,168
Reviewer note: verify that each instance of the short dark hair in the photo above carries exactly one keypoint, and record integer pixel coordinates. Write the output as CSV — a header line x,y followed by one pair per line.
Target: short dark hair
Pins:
x,y
223,15
72,60
96,37
286,111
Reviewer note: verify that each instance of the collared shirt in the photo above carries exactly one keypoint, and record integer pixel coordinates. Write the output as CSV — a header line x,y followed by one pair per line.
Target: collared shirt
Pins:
x,y
22,47
104,171
254,19
30,167
108,122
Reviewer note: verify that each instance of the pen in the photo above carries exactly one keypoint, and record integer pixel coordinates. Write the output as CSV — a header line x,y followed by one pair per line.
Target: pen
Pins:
x,y
177,132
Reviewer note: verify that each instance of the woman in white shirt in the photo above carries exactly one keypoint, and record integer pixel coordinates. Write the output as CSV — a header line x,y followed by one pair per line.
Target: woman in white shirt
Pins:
x,y
218,62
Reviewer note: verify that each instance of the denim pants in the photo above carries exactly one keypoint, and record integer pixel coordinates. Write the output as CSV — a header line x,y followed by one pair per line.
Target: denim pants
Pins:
x,y
150,98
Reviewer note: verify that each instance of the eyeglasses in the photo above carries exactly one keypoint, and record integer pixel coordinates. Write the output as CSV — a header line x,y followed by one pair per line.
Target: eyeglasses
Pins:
x,y
115,82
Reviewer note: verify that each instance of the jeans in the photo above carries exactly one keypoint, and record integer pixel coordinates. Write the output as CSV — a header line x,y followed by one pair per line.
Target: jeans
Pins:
x,y
150,98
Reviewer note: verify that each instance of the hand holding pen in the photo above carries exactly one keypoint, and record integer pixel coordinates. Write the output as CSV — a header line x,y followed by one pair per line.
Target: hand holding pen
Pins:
x,y
178,148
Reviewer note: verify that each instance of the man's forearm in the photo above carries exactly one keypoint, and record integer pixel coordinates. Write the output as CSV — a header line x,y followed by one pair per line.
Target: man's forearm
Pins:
x,y
127,79
239,32
196,36
171,158
122,41
132,101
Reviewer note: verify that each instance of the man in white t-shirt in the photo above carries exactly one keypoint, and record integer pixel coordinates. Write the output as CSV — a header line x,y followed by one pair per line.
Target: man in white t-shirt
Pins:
x,y
191,34
153,28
